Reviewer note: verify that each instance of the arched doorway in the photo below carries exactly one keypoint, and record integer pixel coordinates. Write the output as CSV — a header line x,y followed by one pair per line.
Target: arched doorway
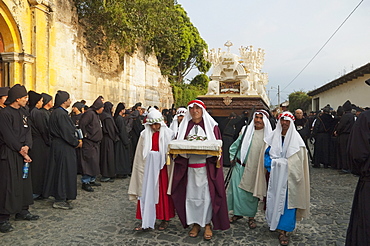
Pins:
x,y
10,48
2,49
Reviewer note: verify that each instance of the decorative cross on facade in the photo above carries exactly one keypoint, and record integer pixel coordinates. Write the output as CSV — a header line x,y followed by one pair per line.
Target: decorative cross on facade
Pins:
x,y
228,44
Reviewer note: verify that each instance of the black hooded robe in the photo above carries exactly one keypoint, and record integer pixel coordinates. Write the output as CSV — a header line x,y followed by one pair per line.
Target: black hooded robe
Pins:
x,y
76,120
91,128
61,172
15,132
228,134
343,130
137,128
358,232
322,131
122,147
41,146
110,132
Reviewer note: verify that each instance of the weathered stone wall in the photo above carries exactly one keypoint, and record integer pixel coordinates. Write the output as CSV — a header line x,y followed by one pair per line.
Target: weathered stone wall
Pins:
x,y
49,30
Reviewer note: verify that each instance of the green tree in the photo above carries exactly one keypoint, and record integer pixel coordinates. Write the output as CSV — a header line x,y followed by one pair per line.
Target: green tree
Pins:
x,y
201,81
184,93
184,50
159,26
299,99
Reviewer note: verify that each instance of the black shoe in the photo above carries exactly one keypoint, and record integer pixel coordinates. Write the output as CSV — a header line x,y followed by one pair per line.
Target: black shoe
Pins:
x,y
343,171
314,166
28,216
121,176
95,183
5,227
104,179
87,187
63,205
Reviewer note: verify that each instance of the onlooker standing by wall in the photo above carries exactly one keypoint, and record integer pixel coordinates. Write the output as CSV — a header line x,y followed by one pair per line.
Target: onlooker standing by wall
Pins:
x,y
16,139
110,135
60,181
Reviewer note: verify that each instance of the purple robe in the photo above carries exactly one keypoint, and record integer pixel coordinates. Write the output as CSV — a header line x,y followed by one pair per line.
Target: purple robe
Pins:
x,y
220,218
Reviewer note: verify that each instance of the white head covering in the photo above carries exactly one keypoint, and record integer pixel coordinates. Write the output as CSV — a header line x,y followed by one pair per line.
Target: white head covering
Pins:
x,y
165,135
175,124
209,122
292,141
250,131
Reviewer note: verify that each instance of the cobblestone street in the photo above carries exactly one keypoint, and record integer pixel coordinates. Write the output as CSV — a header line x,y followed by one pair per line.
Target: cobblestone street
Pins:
x,y
106,217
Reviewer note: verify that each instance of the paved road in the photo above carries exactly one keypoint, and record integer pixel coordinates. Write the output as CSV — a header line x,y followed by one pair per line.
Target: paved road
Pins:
x,y
106,217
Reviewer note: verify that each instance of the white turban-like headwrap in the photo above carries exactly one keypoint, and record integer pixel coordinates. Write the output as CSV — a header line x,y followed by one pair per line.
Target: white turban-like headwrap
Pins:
x,y
292,141
250,131
209,122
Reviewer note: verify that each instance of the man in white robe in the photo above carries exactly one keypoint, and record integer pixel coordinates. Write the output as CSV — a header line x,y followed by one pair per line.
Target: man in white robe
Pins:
x,y
180,113
288,194
198,186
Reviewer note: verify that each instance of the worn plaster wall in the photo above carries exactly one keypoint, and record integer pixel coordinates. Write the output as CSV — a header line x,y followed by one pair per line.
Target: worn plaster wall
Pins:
x,y
49,30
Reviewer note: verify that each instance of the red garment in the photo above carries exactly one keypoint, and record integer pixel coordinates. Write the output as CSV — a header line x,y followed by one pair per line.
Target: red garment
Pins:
x,y
165,209
155,141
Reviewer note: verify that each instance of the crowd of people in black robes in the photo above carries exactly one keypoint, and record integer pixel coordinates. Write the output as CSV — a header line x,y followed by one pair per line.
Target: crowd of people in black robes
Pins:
x,y
44,148
341,140
55,146
328,131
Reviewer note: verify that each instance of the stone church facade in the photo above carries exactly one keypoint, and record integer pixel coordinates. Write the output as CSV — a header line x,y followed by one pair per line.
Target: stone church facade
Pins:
x,y
42,47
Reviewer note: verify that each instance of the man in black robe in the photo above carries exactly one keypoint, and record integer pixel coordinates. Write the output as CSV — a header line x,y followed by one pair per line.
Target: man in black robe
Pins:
x,y
41,143
358,232
301,125
228,129
110,136
122,146
60,180
3,96
77,111
92,132
342,132
136,127
322,131
16,139
243,120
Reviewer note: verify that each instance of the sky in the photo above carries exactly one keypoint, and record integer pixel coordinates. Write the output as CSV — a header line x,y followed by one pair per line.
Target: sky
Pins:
x,y
291,33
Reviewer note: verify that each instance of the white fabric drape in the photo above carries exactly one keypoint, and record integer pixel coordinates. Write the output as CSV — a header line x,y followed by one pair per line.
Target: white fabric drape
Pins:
x,y
209,123
150,192
249,134
276,193
198,199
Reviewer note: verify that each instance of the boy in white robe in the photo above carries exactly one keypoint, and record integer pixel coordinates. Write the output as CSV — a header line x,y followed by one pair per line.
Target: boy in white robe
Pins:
x,y
149,179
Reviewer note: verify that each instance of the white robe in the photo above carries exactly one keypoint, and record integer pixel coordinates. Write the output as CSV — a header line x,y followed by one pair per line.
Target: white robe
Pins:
x,y
276,193
150,193
198,199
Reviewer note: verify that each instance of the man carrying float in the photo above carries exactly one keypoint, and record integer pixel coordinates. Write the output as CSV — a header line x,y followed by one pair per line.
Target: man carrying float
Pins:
x,y
198,182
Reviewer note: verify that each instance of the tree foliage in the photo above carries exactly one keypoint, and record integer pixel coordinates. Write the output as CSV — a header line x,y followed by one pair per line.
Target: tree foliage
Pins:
x,y
201,81
184,93
158,26
299,99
